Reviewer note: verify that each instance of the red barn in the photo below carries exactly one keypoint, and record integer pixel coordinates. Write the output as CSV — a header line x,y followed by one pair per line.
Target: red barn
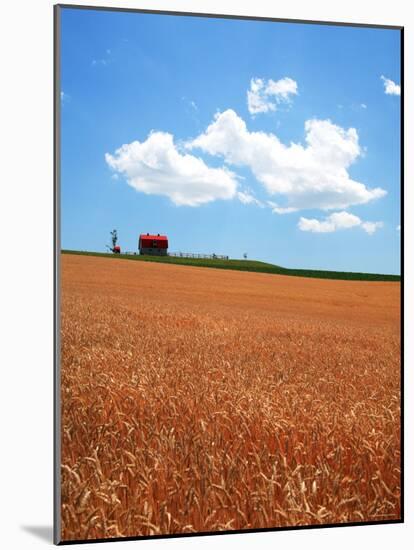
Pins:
x,y
153,244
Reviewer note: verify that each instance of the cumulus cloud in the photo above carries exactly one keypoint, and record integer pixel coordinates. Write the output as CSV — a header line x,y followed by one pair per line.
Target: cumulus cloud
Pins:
x,y
314,175
155,166
264,96
336,221
390,87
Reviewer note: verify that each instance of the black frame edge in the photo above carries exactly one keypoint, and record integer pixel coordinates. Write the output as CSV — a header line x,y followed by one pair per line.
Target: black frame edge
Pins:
x,y
229,16
402,269
56,278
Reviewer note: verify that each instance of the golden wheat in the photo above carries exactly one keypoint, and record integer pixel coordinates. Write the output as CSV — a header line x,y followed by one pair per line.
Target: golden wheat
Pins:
x,y
198,400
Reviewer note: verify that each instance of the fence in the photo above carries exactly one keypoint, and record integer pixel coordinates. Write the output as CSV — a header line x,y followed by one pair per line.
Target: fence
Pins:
x,y
181,255
203,256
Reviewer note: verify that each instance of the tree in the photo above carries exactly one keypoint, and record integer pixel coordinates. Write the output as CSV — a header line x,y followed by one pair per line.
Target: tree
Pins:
x,y
114,238
114,235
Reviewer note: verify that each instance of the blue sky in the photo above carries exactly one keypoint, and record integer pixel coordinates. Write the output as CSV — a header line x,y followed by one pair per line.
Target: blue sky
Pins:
x,y
278,140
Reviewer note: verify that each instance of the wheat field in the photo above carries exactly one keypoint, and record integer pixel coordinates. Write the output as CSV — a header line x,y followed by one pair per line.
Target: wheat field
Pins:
x,y
200,400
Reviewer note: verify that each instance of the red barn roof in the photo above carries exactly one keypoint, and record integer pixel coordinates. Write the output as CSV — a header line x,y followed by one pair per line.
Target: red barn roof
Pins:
x,y
153,241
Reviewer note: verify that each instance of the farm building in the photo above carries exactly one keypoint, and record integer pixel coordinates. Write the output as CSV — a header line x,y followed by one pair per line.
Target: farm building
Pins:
x,y
153,244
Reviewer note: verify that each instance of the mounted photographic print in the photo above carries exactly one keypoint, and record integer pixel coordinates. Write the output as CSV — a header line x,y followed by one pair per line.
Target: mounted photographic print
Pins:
x,y
228,274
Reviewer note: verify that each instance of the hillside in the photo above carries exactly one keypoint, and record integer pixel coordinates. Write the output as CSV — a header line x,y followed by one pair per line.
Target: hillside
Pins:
x,y
246,265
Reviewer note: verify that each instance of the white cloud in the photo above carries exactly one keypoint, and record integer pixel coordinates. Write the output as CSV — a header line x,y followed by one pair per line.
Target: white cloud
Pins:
x,y
398,228
246,197
371,227
264,96
276,209
390,87
314,175
336,221
156,167
282,89
363,105
282,210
